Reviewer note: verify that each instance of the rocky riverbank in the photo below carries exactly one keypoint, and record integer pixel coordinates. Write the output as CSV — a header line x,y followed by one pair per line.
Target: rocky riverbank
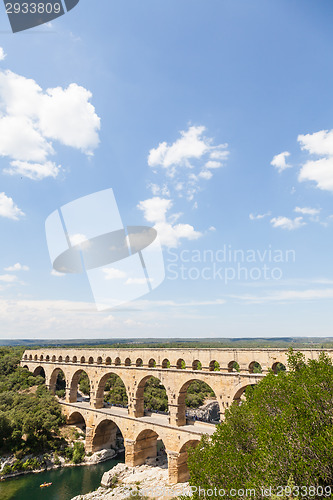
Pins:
x,y
52,461
143,481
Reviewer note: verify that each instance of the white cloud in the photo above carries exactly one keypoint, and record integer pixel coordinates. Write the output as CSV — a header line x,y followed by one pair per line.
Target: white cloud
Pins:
x,y
8,278
32,119
34,171
57,274
187,160
8,208
258,216
79,239
137,281
279,161
286,223
319,143
17,267
206,174
307,210
288,295
2,54
112,273
319,171
155,211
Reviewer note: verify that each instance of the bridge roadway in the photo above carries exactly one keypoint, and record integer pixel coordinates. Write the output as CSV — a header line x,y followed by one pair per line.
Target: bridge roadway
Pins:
x,y
175,368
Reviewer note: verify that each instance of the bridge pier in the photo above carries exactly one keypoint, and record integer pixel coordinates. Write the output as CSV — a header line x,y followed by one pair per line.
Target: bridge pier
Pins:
x,y
89,438
177,415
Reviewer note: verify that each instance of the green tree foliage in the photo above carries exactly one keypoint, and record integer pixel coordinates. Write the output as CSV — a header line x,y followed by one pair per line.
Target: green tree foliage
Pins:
x,y
116,391
78,453
84,384
283,430
155,396
29,418
197,393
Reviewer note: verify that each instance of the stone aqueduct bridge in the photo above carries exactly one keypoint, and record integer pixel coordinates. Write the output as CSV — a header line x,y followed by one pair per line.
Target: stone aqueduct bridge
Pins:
x,y
135,367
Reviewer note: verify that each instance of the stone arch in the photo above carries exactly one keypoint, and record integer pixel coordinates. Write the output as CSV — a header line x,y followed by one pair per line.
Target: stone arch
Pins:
x,y
255,367
165,363
53,382
181,400
83,359
25,356
60,359
67,359
128,362
214,366
117,361
36,357
139,362
196,365
108,361
39,370
74,384
74,360
30,357
90,360
53,358
41,357
183,473
99,360
123,395
26,367
180,365
240,392
47,358
146,448
278,367
139,396
106,435
233,366
152,363
76,418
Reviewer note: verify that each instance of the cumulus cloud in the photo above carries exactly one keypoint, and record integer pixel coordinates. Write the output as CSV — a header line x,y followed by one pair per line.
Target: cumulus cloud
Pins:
x,y
32,120
8,208
319,170
17,267
279,161
307,210
155,211
2,54
286,223
112,273
8,278
186,161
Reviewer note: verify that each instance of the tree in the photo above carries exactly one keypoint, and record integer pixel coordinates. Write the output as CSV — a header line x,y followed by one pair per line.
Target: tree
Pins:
x,y
283,430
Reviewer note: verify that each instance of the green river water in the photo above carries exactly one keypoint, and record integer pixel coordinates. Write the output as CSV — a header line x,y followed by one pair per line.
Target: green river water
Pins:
x,y
66,482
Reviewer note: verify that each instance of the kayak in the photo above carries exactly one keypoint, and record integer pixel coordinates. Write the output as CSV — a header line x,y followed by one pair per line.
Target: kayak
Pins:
x,y
44,484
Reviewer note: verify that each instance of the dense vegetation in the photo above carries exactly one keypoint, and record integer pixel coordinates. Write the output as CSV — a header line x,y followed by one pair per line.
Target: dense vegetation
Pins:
x,y
29,415
282,432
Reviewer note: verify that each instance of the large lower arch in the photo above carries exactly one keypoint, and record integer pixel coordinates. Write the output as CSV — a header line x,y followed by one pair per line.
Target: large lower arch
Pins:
x,y
39,370
107,435
148,446
182,471
76,418
112,380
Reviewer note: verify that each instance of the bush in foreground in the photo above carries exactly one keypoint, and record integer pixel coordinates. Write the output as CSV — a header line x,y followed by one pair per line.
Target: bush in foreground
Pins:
x,y
283,430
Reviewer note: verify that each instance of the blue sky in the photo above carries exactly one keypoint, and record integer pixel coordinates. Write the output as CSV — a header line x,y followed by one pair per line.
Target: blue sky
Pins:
x,y
212,122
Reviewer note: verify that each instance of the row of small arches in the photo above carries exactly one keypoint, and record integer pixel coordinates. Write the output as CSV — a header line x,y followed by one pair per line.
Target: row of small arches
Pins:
x,y
254,366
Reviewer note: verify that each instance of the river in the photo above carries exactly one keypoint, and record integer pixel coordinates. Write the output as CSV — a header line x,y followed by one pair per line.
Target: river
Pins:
x,y
67,482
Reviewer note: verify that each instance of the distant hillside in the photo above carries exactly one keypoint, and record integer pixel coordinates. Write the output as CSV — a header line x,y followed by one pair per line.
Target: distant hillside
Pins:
x,y
297,342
